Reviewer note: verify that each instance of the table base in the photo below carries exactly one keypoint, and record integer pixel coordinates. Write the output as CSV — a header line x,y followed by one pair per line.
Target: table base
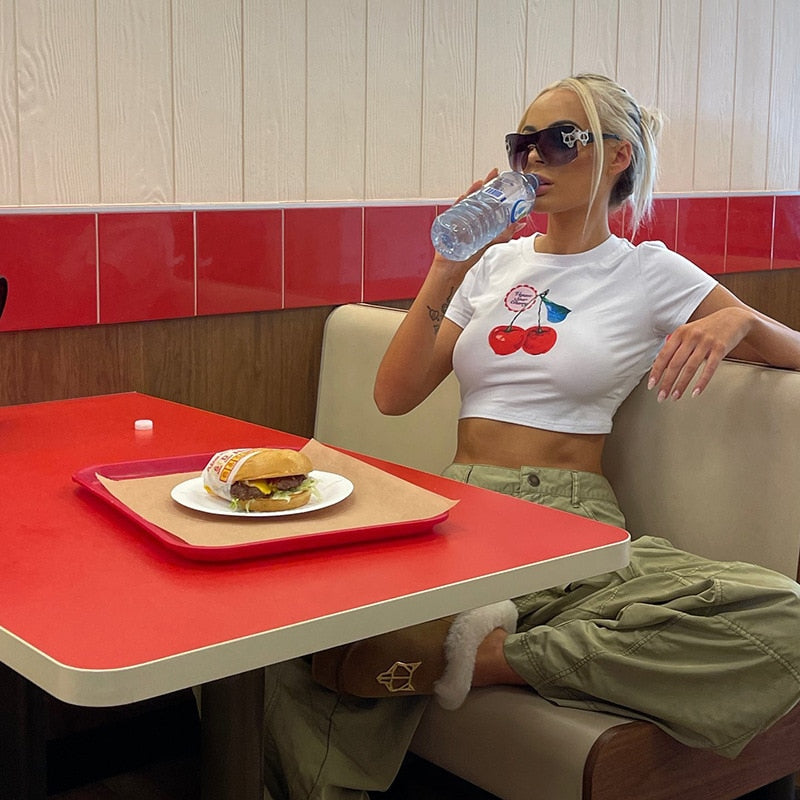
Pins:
x,y
232,714
23,738
231,737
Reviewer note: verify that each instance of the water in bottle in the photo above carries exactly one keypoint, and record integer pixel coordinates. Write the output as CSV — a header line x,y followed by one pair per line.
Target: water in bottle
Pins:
x,y
472,223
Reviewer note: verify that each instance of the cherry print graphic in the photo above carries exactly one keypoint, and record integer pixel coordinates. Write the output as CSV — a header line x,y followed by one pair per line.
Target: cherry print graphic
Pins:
x,y
539,339
507,339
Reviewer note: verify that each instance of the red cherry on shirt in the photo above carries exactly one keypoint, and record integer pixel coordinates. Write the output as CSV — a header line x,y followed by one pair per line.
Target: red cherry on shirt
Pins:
x,y
539,339
506,339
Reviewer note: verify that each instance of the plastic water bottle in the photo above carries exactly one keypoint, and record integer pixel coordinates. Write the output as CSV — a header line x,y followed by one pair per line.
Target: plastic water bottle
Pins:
x,y
481,216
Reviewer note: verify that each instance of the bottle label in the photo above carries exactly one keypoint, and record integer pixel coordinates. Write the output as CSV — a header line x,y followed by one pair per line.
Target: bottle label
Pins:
x,y
493,191
520,209
507,190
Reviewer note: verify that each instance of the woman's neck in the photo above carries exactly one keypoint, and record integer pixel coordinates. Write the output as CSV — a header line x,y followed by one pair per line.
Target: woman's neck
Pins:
x,y
572,233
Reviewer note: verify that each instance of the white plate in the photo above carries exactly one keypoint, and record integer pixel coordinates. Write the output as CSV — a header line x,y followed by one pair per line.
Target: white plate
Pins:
x,y
329,489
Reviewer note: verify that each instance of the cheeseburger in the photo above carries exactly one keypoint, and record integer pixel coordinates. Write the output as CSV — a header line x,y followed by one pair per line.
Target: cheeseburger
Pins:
x,y
260,478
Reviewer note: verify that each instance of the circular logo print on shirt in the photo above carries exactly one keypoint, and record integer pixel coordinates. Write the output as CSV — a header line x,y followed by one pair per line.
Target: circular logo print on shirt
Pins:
x,y
521,297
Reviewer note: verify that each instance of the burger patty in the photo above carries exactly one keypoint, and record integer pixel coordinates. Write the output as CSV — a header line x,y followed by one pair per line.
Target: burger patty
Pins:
x,y
244,491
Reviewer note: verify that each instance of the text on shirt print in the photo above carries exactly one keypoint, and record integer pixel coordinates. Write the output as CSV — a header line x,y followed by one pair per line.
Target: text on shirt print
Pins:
x,y
535,340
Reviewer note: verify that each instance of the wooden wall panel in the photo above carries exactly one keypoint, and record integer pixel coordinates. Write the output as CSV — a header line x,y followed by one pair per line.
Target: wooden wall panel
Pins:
x,y
448,106
336,58
54,364
783,165
230,101
751,120
677,91
275,111
638,52
267,371
9,144
393,132
596,43
499,80
207,53
774,293
57,114
715,91
549,44
134,52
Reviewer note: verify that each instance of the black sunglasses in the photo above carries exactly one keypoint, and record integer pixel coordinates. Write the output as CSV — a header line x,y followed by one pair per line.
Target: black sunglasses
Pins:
x,y
3,293
555,146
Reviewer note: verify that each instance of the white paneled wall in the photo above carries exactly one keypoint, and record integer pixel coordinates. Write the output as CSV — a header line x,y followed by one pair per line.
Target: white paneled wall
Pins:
x,y
716,77
207,91
335,98
677,92
57,107
595,37
274,91
639,48
500,96
9,151
752,126
392,137
783,144
135,103
107,102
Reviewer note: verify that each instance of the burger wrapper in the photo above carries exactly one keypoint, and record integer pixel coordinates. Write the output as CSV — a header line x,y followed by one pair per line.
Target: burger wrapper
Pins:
x,y
221,471
378,499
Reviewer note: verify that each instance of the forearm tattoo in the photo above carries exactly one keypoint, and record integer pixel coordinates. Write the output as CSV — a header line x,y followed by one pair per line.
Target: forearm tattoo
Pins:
x,y
437,314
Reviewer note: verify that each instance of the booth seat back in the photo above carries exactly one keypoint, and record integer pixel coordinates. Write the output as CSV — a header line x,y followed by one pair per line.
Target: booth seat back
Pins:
x,y
355,338
716,474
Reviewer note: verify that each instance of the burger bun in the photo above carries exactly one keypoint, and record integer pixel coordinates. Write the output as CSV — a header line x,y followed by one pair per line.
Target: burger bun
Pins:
x,y
267,462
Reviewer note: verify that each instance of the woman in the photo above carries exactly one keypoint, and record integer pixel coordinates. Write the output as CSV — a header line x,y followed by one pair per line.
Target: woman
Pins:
x,y
547,335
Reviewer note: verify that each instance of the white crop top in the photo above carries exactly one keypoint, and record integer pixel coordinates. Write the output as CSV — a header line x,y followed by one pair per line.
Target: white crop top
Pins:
x,y
559,341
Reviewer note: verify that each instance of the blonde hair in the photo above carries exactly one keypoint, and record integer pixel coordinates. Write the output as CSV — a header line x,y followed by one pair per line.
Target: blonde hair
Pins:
x,y
611,109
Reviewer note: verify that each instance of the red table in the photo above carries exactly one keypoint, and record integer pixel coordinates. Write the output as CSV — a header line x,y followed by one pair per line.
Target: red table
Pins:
x,y
96,612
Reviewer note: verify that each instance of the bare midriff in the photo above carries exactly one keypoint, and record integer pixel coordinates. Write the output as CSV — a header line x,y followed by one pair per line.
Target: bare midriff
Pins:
x,y
503,444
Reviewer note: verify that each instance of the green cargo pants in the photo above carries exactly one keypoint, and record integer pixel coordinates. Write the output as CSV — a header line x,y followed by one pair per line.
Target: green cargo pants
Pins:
x,y
708,651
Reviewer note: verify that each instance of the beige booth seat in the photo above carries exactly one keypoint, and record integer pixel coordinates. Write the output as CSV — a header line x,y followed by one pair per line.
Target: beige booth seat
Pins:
x,y
717,475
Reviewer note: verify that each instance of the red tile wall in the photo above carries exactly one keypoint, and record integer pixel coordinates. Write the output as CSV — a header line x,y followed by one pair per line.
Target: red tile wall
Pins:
x,y
87,268
322,256
146,266
50,262
239,261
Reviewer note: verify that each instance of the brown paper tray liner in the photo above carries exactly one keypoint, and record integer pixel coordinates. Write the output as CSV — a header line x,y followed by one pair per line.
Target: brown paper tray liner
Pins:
x,y
378,499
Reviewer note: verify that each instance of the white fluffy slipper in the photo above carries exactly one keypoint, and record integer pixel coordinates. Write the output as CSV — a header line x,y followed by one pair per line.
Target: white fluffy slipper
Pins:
x,y
466,633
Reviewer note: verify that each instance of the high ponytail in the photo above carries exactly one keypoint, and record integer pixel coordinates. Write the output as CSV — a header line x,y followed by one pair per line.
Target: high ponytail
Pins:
x,y
637,183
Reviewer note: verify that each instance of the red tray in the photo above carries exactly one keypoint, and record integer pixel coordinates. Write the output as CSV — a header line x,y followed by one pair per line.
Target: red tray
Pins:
x,y
123,470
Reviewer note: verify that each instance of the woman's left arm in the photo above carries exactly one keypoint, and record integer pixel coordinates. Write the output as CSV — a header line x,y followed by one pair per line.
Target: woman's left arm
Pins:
x,y
722,325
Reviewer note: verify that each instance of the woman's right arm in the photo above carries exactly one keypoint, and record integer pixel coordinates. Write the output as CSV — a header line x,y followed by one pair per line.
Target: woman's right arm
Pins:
x,y
419,357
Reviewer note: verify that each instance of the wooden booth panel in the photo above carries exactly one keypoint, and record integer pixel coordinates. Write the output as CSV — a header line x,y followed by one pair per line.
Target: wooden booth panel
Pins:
x,y
261,367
